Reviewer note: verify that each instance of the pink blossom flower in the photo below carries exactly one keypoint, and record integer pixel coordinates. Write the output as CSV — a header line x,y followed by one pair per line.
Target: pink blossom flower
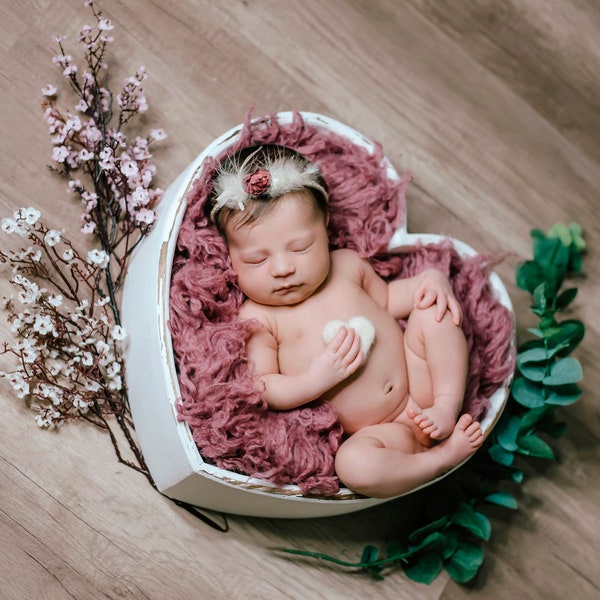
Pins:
x,y
60,153
157,135
140,196
88,227
70,70
145,216
129,168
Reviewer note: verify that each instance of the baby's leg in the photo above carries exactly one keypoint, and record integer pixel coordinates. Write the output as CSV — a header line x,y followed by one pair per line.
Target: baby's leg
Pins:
x,y
385,460
437,362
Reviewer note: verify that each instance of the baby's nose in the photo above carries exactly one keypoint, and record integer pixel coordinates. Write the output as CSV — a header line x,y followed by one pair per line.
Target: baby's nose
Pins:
x,y
282,266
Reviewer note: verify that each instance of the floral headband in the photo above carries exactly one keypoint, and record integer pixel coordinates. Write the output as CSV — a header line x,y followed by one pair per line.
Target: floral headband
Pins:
x,y
278,176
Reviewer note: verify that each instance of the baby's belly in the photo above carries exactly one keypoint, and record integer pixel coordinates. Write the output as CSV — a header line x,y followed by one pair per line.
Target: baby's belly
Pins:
x,y
378,391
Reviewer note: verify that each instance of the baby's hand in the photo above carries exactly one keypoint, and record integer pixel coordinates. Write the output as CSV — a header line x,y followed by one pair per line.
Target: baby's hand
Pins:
x,y
342,357
435,289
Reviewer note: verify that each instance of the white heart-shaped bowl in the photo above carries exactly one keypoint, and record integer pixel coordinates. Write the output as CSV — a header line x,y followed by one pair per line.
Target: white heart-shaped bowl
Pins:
x,y
171,454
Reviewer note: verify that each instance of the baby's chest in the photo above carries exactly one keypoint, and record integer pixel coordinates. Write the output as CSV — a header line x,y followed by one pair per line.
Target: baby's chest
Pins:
x,y
300,330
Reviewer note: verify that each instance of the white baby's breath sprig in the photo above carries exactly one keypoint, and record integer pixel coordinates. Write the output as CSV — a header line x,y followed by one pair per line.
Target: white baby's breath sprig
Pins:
x,y
64,312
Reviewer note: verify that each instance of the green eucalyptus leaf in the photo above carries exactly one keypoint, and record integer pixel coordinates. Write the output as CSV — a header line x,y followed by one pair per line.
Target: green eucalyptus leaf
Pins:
x,y
575,261
563,395
471,520
527,393
533,371
564,371
465,562
547,323
424,569
434,542
532,445
533,355
529,275
565,298
536,331
532,419
567,334
370,554
507,431
502,499
500,455
394,549
452,540
555,429
419,534
552,258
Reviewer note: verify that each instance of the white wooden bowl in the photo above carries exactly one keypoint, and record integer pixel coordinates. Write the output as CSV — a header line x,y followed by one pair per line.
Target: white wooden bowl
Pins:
x,y
169,450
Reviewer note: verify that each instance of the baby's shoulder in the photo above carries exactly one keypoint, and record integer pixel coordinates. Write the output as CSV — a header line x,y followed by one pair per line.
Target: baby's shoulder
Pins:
x,y
252,310
347,261
345,257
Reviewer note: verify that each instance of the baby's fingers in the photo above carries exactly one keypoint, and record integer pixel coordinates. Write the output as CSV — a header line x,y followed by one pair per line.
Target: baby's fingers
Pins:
x,y
441,306
424,298
455,310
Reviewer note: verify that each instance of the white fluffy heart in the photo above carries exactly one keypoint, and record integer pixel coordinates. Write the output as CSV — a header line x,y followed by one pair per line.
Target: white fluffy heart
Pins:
x,y
361,325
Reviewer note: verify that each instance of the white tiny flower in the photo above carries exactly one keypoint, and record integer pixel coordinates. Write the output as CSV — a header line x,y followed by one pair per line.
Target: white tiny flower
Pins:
x,y
68,254
52,237
56,301
30,215
102,347
113,369
43,324
36,256
49,90
92,386
118,333
87,359
9,225
98,257
116,383
105,25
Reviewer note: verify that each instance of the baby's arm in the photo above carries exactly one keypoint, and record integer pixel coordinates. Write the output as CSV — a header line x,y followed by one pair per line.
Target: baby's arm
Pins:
x,y
401,296
340,359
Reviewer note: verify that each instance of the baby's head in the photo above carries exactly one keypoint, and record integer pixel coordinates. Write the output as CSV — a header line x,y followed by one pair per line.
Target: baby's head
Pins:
x,y
270,204
250,183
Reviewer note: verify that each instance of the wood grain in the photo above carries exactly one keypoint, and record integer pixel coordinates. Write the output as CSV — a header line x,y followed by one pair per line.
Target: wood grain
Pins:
x,y
493,106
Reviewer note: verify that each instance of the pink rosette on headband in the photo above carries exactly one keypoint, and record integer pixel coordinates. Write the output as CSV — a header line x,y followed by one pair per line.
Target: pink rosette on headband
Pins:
x,y
257,183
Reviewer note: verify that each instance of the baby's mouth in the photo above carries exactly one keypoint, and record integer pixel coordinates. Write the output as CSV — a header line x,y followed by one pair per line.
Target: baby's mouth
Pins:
x,y
287,287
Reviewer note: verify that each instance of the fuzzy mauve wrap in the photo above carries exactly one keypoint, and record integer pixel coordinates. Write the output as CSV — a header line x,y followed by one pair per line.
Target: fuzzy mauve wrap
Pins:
x,y
230,422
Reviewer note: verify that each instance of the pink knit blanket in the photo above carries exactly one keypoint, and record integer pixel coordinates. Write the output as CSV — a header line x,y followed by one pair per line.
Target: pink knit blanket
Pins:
x,y
229,421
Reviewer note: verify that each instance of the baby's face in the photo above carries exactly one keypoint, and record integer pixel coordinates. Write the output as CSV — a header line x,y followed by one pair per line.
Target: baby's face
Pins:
x,y
283,257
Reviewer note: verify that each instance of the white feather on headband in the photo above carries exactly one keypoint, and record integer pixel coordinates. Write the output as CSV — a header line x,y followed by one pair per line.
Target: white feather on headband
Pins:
x,y
278,176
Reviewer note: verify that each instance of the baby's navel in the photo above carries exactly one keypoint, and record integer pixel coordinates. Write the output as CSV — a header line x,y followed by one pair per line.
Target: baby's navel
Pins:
x,y
388,388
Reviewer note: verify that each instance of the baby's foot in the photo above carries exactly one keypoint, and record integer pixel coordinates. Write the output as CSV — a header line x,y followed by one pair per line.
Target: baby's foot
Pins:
x,y
437,422
464,440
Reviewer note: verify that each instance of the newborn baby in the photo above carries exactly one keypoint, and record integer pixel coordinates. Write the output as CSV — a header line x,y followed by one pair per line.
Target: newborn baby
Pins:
x,y
328,330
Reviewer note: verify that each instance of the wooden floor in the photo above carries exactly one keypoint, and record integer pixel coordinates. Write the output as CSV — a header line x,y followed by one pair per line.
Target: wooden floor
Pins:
x,y
493,105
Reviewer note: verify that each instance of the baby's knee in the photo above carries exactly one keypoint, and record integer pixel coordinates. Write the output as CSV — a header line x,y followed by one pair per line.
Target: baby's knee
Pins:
x,y
353,467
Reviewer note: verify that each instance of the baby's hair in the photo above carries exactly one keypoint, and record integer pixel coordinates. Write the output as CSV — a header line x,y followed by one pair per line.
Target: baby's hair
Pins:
x,y
250,182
